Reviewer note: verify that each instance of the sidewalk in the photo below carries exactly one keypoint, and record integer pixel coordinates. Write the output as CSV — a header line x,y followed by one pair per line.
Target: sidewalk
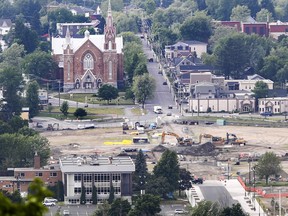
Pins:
x,y
238,193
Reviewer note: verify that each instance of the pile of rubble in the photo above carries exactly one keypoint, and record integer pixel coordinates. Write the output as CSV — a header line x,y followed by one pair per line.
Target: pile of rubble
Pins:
x,y
206,149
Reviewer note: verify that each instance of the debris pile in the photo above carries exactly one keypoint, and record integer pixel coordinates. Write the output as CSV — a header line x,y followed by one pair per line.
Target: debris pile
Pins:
x,y
206,149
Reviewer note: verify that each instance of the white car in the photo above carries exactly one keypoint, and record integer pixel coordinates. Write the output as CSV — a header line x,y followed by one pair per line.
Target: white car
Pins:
x,y
50,199
66,213
49,204
180,211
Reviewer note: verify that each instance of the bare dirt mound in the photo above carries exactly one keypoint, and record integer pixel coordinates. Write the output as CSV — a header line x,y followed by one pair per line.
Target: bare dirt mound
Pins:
x,y
206,149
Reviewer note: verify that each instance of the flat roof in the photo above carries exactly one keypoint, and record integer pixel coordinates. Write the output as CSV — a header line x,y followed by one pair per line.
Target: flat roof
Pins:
x,y
98,164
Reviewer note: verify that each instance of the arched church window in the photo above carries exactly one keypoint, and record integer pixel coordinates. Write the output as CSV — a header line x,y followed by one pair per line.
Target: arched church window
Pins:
x,y
110,70
88,79
77,84
88,63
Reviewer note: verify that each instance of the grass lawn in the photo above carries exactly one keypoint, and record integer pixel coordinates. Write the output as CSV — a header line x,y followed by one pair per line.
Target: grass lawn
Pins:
x,y
138,111
93,113
92,99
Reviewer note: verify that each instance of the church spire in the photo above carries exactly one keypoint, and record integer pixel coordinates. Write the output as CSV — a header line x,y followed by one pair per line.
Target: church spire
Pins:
x,y
110,30
68,36
109,12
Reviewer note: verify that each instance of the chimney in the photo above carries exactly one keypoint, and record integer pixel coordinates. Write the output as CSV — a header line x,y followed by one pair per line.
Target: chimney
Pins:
x,y
36,161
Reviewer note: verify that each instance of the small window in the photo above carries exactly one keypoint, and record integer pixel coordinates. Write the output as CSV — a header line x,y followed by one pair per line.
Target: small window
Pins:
x,y
53,174
38,174
22,174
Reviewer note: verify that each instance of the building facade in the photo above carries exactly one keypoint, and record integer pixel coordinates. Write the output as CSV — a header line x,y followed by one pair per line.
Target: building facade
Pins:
x,y
275,105
89,62
101,172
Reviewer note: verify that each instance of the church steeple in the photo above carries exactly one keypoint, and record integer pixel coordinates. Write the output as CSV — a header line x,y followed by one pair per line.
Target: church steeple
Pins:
x,y
68,36
110,30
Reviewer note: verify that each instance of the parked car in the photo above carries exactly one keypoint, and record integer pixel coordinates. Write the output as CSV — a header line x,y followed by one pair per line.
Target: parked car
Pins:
x,y
197,181
50,199
266,114
180,211
165,83
170,107
66,213
49,204
169,114
160,72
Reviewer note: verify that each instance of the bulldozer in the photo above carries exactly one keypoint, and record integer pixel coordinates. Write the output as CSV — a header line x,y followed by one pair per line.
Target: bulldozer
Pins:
x,y
180,140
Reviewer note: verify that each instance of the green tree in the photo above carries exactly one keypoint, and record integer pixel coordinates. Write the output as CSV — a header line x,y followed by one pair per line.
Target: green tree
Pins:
x,y
185,180
94,195
206,208
17,150
40,65
13,55
231,55
146,204
150,6
119,208
268,4
5,128
26,36
168,167
32,207
126,23
11,82
197,28
143,88
260,90
267,165
64,108
83,195
111,194
263,15
32,99
235,210
60,191
90,29
240,13
108,92
140,176
158,186
129,37
80,113
16,123
102,210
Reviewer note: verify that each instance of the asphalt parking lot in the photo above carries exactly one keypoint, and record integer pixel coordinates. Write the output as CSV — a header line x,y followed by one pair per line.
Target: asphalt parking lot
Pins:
x,y
74,210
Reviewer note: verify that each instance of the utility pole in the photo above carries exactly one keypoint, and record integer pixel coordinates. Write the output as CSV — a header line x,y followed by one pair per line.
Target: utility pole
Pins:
x,y
59,91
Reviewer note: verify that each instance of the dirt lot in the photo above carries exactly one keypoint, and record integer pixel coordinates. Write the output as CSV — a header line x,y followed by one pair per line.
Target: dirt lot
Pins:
x,y
93,142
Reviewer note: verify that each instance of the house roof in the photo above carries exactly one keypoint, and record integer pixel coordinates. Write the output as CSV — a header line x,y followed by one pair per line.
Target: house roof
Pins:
x,y
97,164
76,43
81,10
193,42
196,68
5,23
204,88
255,77
277,93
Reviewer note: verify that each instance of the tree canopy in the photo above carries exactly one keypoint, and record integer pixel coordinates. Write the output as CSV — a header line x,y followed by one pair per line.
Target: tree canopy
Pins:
x,y
108,92
143,88
32,98
267,165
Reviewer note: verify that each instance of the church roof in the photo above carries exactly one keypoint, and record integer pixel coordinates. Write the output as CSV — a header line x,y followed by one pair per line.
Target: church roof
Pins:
x,y
98,40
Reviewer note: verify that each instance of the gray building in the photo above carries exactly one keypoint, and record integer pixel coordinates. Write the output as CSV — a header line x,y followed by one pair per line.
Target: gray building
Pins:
x,y
101,172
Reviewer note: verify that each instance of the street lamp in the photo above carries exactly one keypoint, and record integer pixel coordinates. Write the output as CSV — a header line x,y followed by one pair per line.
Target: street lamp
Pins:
x,y
198,97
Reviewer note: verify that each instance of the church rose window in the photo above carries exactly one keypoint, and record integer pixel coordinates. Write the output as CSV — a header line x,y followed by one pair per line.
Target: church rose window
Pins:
x,y
88,62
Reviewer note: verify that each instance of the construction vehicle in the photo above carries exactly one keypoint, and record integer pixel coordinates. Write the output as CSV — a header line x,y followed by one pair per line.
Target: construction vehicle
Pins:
x,y
52,127
213,139
180,140
232,139
125,126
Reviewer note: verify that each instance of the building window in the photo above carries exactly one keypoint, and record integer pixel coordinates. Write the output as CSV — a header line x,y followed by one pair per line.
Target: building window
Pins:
x,y
77,190
53,174
88,190
254,30
38,174
247,30
103,177
68,70
117,190
87,177
261,31
110,68
110,45
22,174
116,177
275,103
88,62
77,177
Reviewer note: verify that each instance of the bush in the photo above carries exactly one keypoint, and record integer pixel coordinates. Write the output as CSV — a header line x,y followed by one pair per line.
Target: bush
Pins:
x,y
80,112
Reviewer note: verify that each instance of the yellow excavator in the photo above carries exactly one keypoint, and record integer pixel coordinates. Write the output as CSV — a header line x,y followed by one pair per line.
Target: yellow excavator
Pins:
x,y
214,140
180,140
234,140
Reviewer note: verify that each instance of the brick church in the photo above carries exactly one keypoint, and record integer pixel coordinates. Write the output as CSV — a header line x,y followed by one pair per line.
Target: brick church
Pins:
x,y
87,63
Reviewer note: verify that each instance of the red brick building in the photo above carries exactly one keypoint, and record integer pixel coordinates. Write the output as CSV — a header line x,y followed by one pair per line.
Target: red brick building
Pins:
x,y
22,178
88,62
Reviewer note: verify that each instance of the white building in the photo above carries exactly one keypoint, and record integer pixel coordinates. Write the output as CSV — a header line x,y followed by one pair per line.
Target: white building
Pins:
x,y
275,105
103,172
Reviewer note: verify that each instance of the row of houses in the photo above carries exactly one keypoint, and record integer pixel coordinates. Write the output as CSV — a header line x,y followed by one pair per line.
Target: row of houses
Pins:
x,y
76,172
